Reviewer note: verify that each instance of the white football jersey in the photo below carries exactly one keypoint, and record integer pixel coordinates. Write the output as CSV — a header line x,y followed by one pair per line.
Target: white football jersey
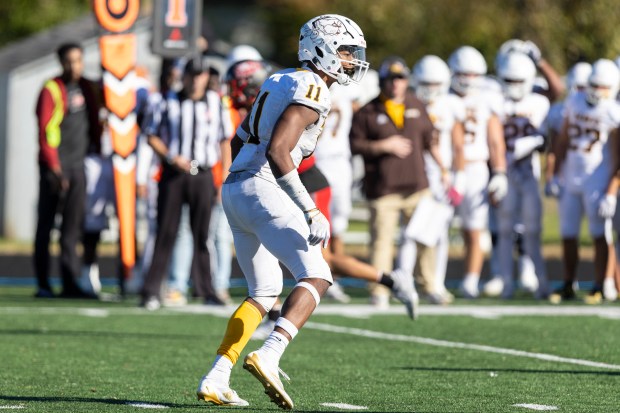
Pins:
x,y
282,89
522,118
444,112
588,160
479,107
334,141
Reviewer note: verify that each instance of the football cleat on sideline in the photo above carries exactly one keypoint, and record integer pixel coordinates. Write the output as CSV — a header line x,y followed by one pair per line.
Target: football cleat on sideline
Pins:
x,y
565,293
213,393
609,289
493,287
594,297
269,378
469,287
404,291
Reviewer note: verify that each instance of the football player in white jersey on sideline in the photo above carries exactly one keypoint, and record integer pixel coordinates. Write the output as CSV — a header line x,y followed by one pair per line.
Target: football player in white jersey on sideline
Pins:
x,y
431,82
483,143
271,214
523,113
552,87
576,81
586,154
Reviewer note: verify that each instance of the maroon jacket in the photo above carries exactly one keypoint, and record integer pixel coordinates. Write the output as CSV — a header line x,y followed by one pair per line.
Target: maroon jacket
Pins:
x,y
388,174
48,121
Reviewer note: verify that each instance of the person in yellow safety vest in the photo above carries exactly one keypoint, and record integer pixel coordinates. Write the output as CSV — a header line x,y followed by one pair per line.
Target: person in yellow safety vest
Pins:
x,y
68,122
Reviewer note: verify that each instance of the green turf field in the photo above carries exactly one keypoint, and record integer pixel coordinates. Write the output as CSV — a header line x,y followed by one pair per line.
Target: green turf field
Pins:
x,y
82,356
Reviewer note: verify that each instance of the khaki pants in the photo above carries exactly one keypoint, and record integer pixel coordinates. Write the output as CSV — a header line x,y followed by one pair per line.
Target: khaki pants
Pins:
x,y
387,215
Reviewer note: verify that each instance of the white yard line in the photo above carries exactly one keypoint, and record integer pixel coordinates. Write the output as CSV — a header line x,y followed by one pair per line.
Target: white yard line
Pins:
x,y
455,344
345,406
611,312
147,405
536,406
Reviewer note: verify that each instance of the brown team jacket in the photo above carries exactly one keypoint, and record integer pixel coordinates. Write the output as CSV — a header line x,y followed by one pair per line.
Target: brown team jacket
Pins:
x,y
388,174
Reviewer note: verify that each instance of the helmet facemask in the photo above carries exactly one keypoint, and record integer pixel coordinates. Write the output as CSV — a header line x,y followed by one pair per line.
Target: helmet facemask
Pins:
x,y
428,92
515,89
595,94
465,83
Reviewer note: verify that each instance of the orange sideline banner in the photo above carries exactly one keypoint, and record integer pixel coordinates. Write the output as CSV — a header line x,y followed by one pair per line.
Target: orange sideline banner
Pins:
x,y
117,46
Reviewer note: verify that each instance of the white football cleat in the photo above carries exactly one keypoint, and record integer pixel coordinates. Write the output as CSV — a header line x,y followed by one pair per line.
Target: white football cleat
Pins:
x,y
493,287
89,281
218,394
609,289
404,291
269,377
469,287
527,274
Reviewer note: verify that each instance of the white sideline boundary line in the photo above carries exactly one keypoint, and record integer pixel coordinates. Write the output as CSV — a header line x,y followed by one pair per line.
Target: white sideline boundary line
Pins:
x,y
611,312
455,344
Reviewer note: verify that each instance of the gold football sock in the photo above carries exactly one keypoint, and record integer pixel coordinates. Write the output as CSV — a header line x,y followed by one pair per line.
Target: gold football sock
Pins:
x,y
241,326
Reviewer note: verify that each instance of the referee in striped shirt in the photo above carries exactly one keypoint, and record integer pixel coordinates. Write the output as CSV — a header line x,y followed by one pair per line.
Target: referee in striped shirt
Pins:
x,y
185,130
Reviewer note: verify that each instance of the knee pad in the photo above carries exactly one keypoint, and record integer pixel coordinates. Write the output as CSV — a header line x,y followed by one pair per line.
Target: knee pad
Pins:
x,y
266,302
311,289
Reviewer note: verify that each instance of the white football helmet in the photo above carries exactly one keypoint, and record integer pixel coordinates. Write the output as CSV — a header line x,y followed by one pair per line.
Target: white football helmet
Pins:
x,y
516,72
335,45
577,77
509,46
242,52
431,78
603,82
467,66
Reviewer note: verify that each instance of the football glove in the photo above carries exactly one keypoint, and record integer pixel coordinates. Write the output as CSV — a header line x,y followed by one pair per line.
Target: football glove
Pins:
x,y
607,206
498,187
533,52
319,227
456,191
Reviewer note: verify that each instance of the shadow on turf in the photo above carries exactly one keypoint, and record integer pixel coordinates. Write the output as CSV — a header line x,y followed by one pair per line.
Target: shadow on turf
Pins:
x,y
528,371
43,399
117,402
123,334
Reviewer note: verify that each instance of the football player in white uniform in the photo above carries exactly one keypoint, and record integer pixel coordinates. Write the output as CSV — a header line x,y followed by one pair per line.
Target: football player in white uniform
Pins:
x,y
483,143
522,115
271,214
431,81
586,156
551,86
